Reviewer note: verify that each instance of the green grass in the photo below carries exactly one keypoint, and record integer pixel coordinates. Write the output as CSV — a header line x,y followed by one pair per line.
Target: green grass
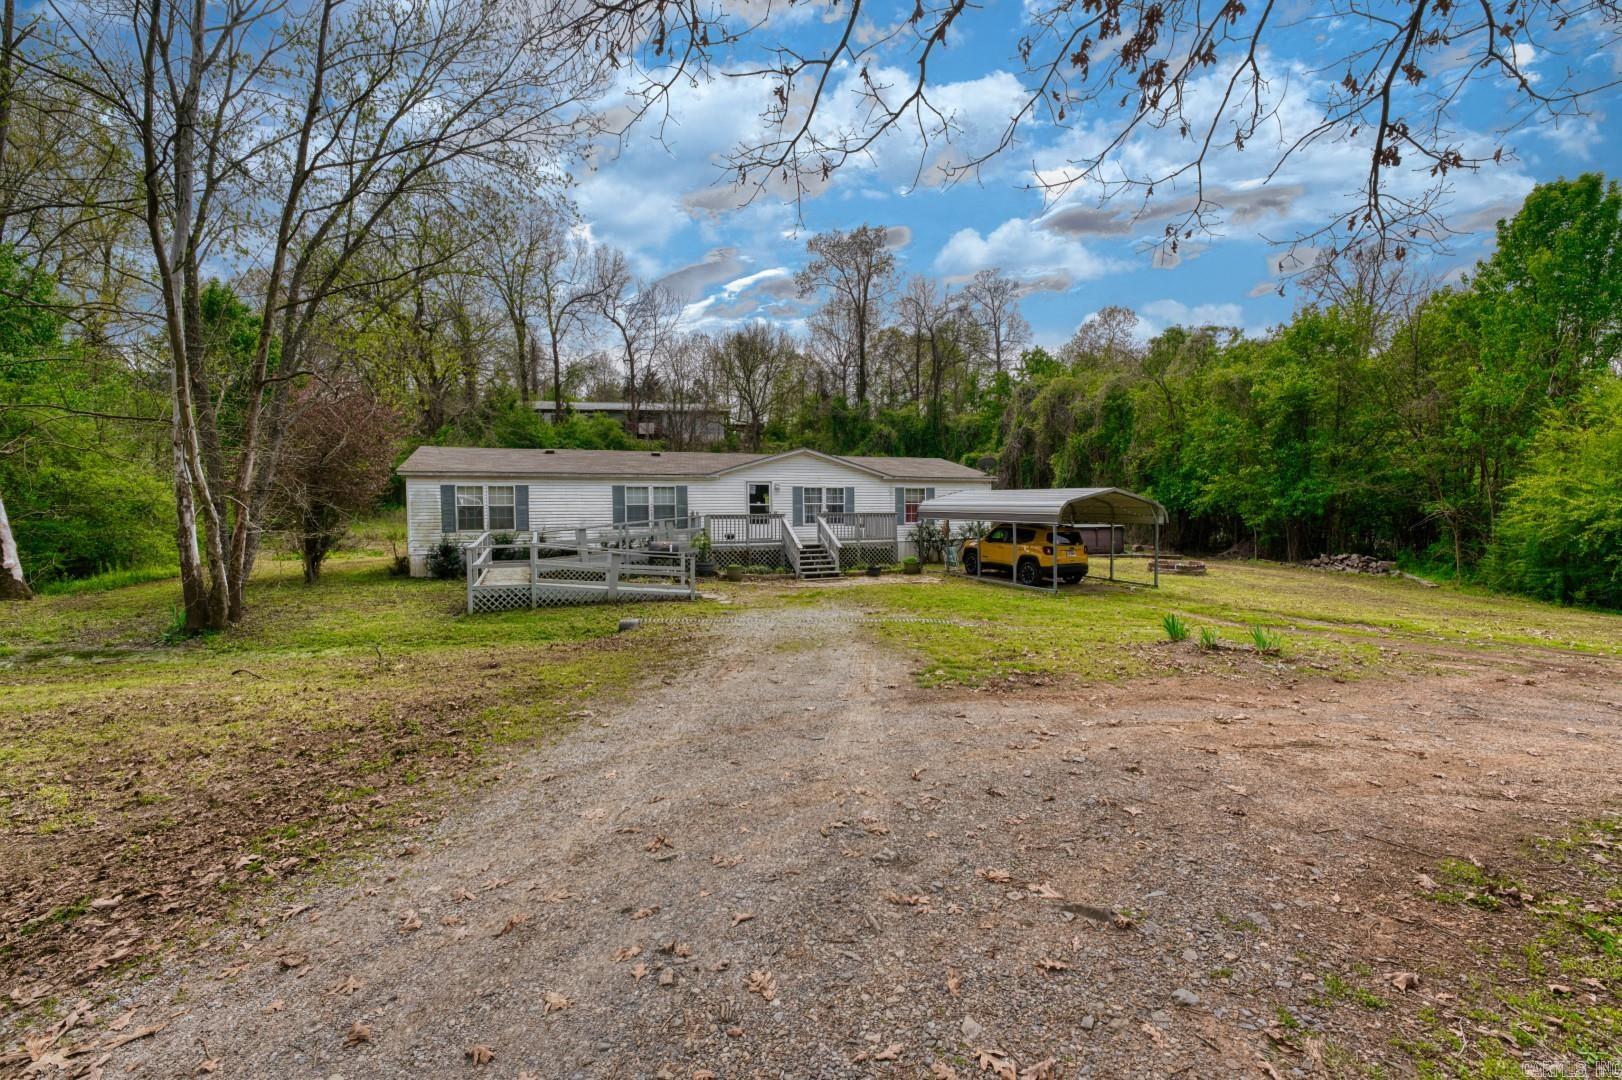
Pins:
x,y
333,711
1556,997
1336,623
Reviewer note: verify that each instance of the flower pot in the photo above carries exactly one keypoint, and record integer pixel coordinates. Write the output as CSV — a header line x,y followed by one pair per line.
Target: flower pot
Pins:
x,y
734,573
704,568
874,571
912,568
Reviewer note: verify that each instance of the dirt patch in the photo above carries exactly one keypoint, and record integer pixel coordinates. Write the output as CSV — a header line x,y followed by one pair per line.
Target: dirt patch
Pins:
x,y
791,860
196,804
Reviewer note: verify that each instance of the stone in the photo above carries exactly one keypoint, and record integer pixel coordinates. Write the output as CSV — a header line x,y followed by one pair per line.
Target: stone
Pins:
x,y
1185,997
972,1028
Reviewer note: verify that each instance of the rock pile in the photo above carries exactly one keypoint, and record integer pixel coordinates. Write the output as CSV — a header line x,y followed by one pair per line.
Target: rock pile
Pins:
x,y
1353,564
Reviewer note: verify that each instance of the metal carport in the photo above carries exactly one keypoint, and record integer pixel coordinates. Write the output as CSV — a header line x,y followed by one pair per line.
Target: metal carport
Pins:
x,y
1050,507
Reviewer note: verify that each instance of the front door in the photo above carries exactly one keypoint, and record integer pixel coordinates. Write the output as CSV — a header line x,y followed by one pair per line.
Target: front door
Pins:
x,y
760,498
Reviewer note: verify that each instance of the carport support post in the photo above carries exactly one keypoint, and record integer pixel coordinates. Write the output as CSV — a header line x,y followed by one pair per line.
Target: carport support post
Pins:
x,y
1112,551
1157,554
1053,534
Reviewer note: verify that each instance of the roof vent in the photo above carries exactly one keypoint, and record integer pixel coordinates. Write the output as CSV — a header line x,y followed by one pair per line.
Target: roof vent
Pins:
x,y
655,453
549,451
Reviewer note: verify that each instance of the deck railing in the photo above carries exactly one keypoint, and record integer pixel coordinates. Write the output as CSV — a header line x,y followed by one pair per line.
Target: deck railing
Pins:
x,y
742,530
862,527
536,572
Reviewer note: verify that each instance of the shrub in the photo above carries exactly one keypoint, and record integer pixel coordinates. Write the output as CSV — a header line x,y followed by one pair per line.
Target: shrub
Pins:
x,y
1267,642
1176,629
445,561
1560,535
1209,637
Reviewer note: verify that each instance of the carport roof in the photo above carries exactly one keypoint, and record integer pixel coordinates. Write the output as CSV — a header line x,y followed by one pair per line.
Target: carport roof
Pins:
x,y
1047,506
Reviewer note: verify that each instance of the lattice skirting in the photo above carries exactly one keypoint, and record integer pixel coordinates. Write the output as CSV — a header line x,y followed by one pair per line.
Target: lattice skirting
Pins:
x,y
764,555
854,556
558,594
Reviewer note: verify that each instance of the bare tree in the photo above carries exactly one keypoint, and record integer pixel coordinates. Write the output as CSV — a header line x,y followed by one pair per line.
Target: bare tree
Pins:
x,y
573,279
993,299
856,270
750,362
644,316
293,131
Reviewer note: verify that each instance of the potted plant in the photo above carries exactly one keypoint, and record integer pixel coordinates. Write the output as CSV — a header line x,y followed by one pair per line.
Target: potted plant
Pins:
x,y
703,565
911,565
734,572
874,569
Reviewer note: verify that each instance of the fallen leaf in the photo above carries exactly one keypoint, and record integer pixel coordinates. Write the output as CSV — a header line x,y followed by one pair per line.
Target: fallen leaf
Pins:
x,y
1405,980
995,876
1050,964
667,976
122,1022
554,1002
358,1033
347,987
742,917
942,1071
207,1065
410,922
889,1053
626,952
291,960
643,913
954,981
513,922
639,972
762,983
274,1007
480,1054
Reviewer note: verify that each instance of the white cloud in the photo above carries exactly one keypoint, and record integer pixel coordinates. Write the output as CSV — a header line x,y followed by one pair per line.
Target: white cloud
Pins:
x,y
1024,250
1177,313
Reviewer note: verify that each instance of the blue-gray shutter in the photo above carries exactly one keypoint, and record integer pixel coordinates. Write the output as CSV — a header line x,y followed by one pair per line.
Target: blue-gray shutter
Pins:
x,y
681,506
850,500
619,504
929,493
447,508
901,506
521,507
799,506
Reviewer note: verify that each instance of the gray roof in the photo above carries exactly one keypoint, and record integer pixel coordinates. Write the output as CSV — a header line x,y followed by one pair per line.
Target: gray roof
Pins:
x,y
1053,506
482,461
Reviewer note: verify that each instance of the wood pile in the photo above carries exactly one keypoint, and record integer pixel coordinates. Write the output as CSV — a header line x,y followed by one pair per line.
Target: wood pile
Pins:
x,y
1179,565
1353,564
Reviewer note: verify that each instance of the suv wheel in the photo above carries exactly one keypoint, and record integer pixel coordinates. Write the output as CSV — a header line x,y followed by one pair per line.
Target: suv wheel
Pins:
x,y
1028,571
971,562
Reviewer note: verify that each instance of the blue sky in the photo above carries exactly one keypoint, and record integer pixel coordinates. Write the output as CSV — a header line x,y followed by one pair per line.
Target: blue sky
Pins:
x,y
666,202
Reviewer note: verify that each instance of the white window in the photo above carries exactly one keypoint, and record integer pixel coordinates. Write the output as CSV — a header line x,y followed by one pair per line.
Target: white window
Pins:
x,y
470,508
910,498
644,503
664,504
502,515
636,505
820,500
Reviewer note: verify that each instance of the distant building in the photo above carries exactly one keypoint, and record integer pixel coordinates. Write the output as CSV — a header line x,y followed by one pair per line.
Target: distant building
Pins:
x,y
655,419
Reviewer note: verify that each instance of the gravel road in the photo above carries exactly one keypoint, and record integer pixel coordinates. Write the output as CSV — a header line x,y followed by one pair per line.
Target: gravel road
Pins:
x,y
791,861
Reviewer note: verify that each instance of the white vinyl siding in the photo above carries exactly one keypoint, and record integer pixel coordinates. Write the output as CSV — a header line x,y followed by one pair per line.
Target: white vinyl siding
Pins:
x,y
559,506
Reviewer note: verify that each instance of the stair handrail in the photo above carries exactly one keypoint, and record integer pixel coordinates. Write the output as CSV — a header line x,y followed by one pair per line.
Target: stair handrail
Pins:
x,y
829,540
792,548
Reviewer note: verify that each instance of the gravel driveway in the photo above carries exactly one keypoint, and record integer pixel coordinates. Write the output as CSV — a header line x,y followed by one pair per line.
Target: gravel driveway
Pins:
x,y
792,862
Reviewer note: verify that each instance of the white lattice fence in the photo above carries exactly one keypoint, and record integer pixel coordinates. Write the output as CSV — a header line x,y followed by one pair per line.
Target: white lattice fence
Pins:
x,y
771,556
854,554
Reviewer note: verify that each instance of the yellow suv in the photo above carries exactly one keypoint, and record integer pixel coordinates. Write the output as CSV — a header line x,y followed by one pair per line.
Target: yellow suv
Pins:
x,y
1029,556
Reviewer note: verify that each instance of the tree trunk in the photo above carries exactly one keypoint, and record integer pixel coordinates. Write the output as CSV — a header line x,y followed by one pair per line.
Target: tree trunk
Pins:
x,y
557,377
13,586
